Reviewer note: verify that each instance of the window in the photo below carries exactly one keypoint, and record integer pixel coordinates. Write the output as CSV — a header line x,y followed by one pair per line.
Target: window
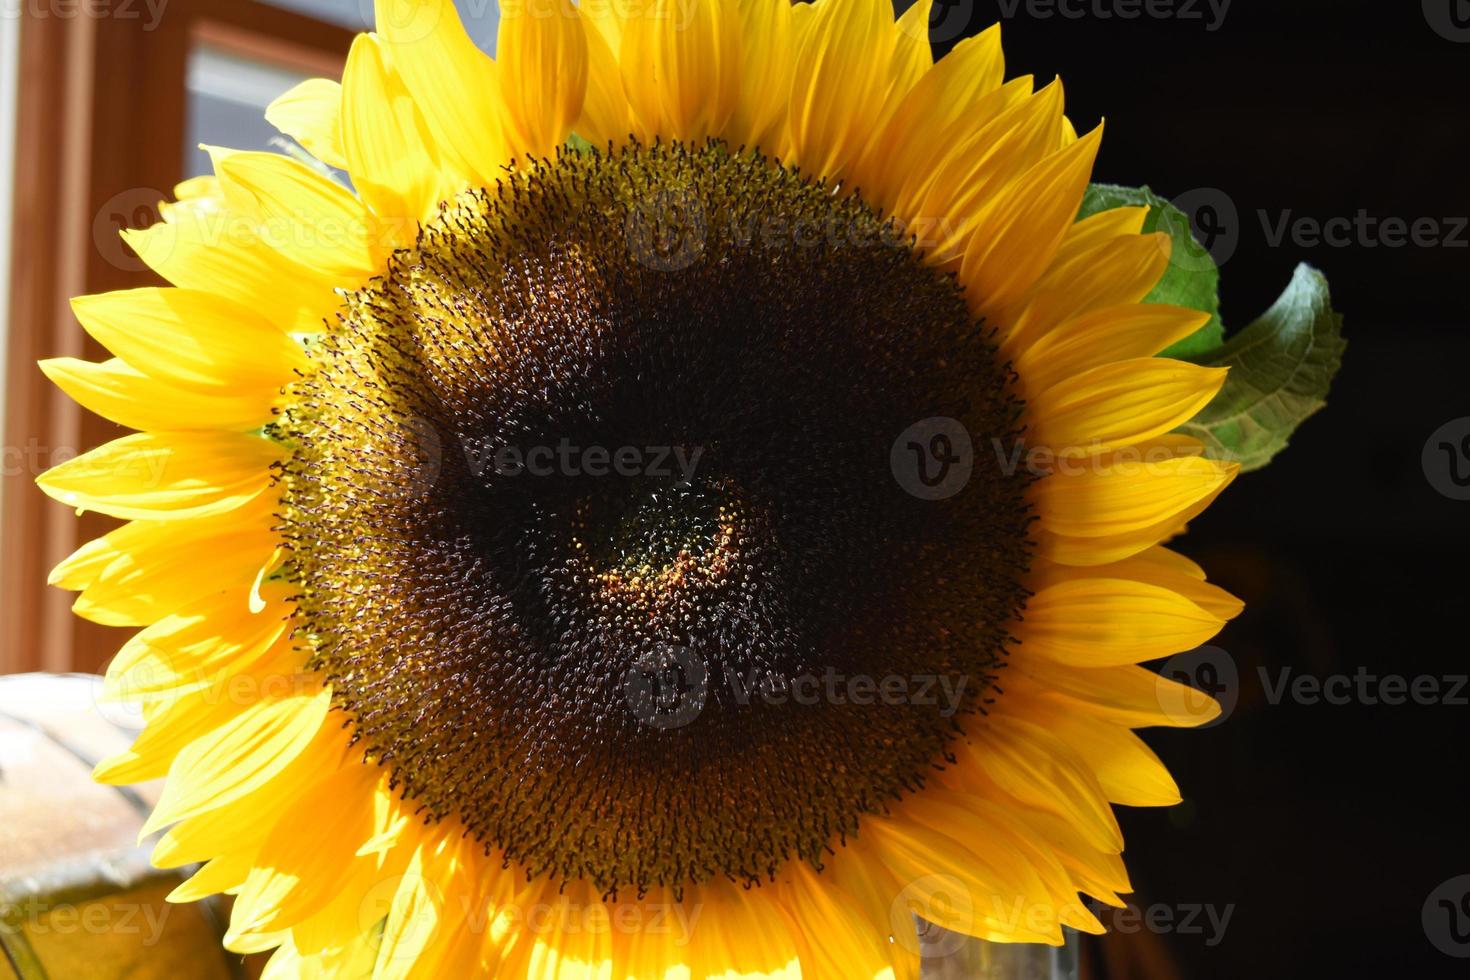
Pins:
x,y
108,108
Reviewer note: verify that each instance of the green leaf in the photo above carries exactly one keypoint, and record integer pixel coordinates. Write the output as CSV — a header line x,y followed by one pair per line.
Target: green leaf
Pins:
x,y
1191,281
1281,367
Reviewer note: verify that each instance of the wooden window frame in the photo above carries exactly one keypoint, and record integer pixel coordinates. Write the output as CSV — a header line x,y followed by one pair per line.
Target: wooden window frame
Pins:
x,y
100,117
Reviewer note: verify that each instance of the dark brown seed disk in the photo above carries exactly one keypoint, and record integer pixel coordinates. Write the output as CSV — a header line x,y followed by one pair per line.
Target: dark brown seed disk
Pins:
x,y
601,532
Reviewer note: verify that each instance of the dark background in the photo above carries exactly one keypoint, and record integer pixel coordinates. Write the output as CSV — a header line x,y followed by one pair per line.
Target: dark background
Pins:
x,y
1325,826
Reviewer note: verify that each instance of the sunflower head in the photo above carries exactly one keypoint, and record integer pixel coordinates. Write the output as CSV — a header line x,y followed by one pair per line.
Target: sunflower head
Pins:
x,y
645,502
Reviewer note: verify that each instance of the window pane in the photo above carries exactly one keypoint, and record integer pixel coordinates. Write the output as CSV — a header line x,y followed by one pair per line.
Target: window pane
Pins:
x,y
227,96
480,16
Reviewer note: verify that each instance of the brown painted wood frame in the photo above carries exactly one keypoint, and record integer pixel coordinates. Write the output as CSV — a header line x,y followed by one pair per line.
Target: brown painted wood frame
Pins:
x,y
100,127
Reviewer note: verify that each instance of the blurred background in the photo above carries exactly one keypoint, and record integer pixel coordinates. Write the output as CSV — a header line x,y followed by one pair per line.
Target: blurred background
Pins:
x,y
1320,834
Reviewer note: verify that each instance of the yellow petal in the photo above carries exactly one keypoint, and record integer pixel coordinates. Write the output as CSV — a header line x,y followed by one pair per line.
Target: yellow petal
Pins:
x,y
191,338
1119,404
1127,769
239,756
1113,524
953,90
766,59
1103,622
130,398
1128,695
178,724
543,65
454,85
311,114
841,78
1020,233
1123,270
680,64
953,884
1038,770
221,253
1102,498
977,171
1099,337
157,567
308,858
310,218
223,831
835,940
604,115
1157,566
82,567
745,937
204,643
390,154
160,474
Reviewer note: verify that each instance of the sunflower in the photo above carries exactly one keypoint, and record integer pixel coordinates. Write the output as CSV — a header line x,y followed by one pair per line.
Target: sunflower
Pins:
x,y
688,502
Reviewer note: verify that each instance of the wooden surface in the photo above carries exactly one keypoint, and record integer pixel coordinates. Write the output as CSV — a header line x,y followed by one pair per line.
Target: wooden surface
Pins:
x,y
78,898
